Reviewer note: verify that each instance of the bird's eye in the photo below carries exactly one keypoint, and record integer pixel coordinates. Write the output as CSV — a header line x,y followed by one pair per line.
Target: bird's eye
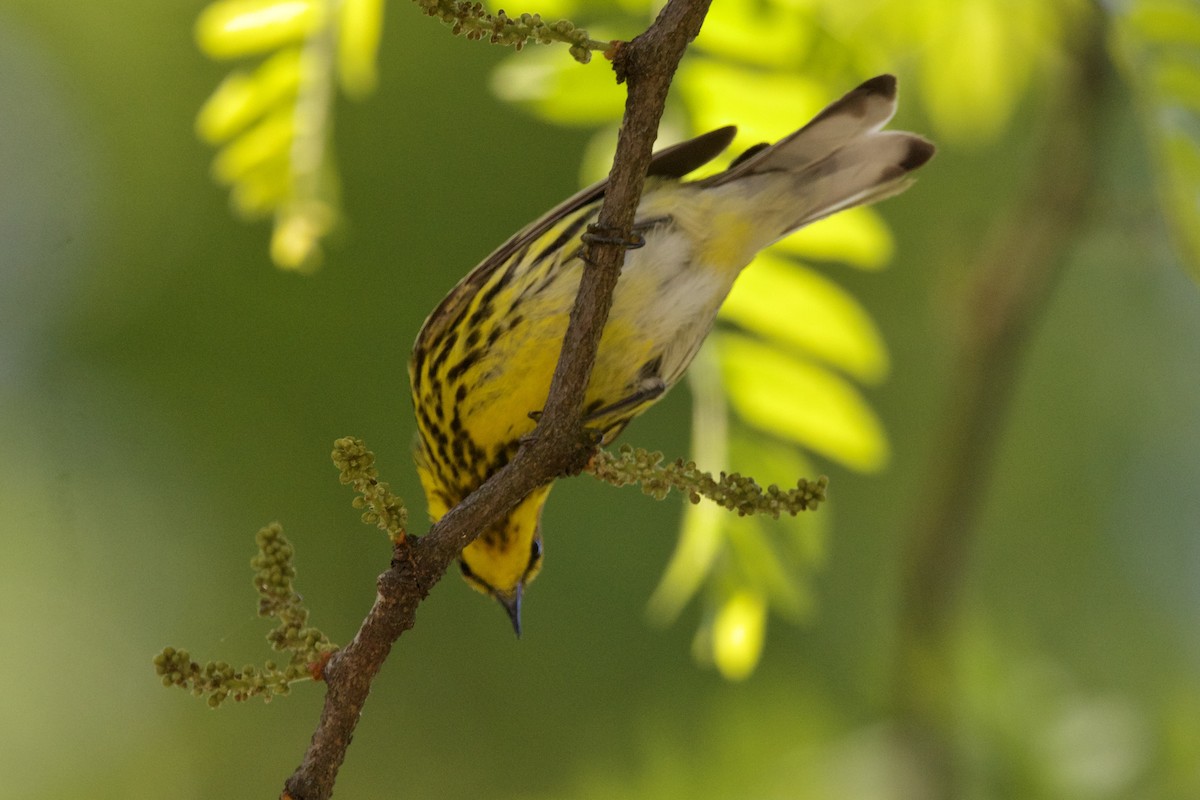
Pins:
x,y
535,559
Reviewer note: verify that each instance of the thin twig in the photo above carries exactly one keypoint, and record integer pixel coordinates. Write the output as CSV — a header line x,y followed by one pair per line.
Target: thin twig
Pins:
x,y
734,492
559,445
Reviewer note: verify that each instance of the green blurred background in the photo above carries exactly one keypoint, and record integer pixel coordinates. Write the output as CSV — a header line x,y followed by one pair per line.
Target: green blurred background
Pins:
x,y
166,391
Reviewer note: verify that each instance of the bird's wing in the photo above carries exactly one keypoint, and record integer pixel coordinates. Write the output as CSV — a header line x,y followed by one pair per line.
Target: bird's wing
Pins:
x,y
672,162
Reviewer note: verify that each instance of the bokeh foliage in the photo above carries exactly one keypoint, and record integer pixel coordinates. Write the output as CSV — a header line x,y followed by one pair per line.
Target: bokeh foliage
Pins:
x,y
273,121
1158,44
165,394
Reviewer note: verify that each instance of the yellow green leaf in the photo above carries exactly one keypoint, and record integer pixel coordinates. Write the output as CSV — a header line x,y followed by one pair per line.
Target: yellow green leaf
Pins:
x,y
761,34
973,74
235,28
700,540
700,534
798,401
1156,41
857,237
297,234
799,308
976,57
764,105
737,634
244,97
359,29
558,89
549,9
1182,153
1166,21
261,190
760,566
1177,81
266,140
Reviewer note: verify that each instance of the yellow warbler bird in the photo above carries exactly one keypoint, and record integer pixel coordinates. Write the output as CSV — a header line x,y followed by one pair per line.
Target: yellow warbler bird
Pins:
x,y
483,360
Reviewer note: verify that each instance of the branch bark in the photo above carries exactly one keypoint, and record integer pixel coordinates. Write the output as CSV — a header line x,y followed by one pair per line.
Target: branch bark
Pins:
x,y
558,445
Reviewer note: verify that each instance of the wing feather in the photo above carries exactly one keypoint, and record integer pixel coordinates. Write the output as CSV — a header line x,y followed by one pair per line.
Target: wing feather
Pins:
x,y
863,110
672,162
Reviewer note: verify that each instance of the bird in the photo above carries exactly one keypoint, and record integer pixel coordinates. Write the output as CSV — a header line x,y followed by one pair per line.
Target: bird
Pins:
x,y
481,366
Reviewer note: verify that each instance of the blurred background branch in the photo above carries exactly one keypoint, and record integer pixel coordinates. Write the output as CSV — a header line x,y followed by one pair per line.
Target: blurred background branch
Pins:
x,y
1011,281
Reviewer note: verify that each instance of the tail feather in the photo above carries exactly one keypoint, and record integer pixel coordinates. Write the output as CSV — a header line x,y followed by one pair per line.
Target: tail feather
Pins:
x,y
859,112
864,170
840,159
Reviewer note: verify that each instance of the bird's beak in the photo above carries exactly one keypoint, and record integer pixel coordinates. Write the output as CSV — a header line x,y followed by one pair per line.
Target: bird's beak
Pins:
x,y
512,604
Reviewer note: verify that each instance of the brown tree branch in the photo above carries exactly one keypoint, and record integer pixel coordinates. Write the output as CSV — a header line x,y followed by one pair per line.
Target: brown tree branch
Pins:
x,y
558,445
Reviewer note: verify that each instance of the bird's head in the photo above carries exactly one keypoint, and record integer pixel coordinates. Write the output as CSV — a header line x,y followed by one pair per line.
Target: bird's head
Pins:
x,y
506,557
